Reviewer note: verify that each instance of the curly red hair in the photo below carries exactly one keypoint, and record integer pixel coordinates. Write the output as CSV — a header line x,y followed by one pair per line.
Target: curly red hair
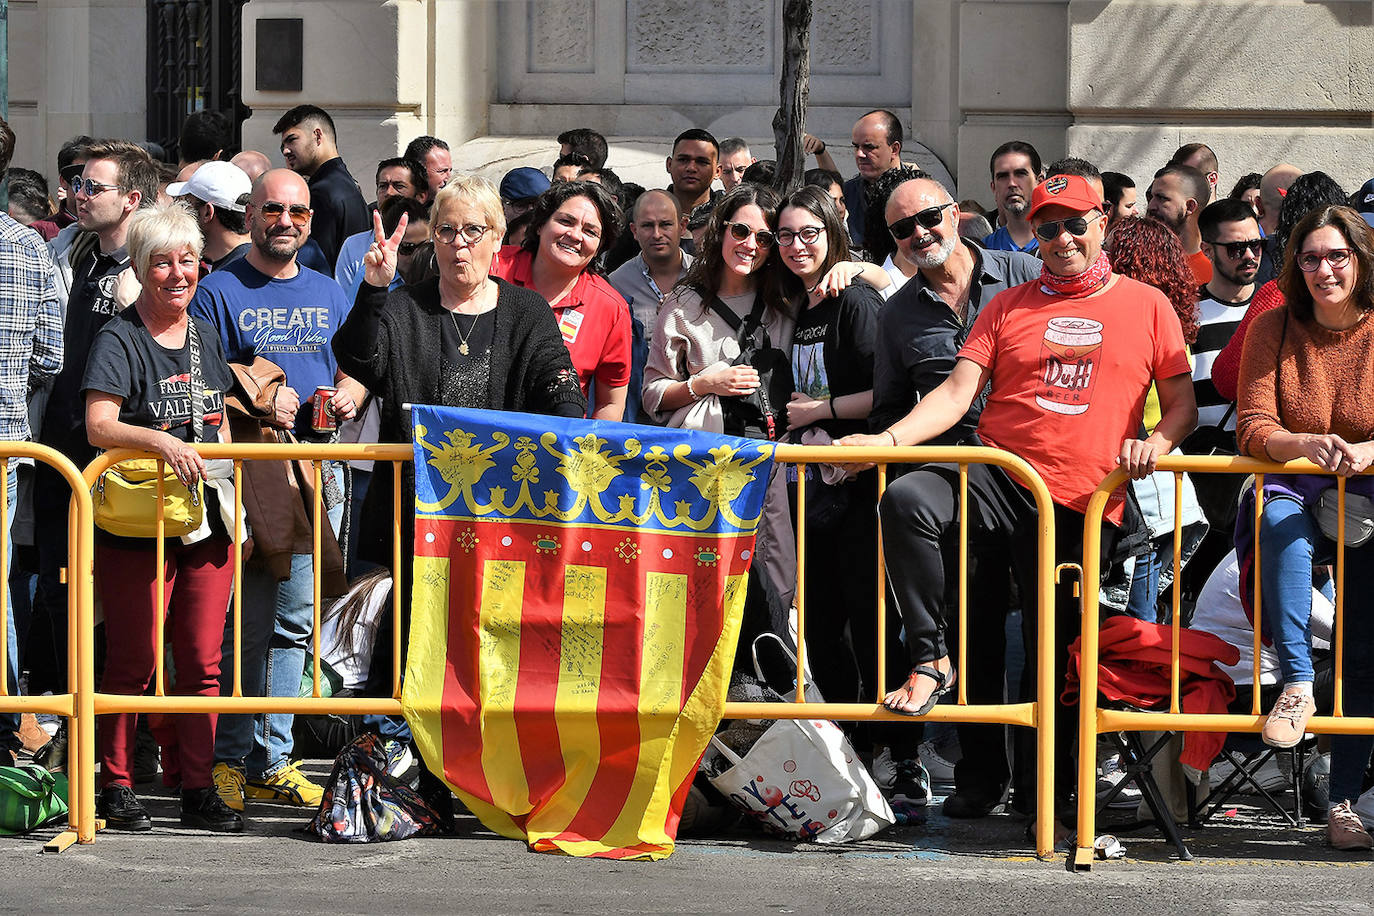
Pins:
x,y
1147,250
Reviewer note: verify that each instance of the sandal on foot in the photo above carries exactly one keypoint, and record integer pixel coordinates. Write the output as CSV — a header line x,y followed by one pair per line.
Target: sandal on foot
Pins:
x,y
944,683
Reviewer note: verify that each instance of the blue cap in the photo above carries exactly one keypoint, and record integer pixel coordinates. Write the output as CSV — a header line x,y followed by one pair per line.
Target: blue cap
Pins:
x,y
523,183
1364,198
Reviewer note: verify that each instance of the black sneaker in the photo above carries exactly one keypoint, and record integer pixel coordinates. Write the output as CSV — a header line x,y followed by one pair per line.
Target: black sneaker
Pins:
x,y
121,809
911,788
972,803
203,809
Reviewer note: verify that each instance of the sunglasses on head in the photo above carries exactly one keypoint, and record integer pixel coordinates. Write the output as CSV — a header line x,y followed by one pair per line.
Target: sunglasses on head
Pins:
x,y
1237,250
407,248
272,211
930,217
739,232
1077,226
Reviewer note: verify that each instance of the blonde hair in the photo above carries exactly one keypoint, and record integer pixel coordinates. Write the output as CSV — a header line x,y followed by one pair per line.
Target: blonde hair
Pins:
x,y
161,228
478,192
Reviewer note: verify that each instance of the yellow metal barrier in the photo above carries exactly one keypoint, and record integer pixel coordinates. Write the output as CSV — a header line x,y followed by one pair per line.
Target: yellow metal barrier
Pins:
x,y
74,704
1094,720
1038,714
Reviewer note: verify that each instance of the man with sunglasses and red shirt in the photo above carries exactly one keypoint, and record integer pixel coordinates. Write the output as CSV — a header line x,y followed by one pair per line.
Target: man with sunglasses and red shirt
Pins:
x,y
920,332
1069,359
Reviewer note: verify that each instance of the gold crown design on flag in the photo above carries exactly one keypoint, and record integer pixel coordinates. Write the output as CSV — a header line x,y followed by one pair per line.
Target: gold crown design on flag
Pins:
x,y
589,469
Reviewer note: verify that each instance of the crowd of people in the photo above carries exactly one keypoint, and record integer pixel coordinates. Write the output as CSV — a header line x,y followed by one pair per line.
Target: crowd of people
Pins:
x,y
159,306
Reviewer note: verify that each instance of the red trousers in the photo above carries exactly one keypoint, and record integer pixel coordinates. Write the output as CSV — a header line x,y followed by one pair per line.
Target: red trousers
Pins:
x,y
199,580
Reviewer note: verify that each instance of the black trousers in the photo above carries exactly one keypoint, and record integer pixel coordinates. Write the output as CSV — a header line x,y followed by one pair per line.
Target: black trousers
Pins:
x,y
920,512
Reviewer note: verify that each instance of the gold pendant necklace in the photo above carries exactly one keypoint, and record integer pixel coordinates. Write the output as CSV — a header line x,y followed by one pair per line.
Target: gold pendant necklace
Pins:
x,y
463,338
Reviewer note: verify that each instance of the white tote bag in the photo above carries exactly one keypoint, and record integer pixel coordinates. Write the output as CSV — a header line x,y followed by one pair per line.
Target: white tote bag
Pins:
x,y
803,779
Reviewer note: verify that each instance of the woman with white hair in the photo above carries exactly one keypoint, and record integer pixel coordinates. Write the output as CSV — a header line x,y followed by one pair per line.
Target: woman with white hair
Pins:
x,y
155,381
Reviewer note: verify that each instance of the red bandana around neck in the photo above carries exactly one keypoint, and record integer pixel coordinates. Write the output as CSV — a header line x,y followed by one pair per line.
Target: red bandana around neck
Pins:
x,y
1081,284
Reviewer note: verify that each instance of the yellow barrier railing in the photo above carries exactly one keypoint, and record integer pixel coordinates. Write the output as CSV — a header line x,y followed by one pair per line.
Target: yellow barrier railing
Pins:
x,y
75,704
1094,720
1038,714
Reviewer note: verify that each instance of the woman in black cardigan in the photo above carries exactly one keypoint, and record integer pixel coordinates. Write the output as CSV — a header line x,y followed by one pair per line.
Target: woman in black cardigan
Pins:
x,y
463,339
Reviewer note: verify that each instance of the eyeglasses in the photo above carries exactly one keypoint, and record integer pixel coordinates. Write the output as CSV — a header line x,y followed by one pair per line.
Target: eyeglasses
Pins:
x,y
739,232
1076,226
808,235
930,217
90,187
1309,261
272,211
471,233
1237,250
408,248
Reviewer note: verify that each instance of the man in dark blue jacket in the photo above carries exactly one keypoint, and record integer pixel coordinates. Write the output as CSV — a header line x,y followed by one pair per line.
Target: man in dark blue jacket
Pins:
x,y
310,147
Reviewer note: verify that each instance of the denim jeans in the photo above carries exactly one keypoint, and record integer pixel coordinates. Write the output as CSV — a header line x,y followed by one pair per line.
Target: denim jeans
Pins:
x,y
1144,598
277,622
9,721
1290,542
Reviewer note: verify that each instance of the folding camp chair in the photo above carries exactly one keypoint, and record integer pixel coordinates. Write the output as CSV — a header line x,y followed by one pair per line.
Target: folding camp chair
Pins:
x,y
1247,753
1135,759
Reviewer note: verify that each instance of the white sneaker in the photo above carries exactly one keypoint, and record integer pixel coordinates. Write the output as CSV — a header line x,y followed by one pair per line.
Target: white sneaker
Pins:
x,y
1364,807
940,768
1111,774
1270,776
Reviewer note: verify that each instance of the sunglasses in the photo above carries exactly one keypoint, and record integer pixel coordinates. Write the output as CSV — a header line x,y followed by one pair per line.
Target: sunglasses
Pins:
x,y
90,187
408,248
1237,250
809,235
930,217
272,211
1309,261
1076,226
739,232
471,233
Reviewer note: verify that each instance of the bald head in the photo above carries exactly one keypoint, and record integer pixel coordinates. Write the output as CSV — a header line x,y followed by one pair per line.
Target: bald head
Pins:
x,y
1272,186
656,197
281,185
929,247
913,196
253,163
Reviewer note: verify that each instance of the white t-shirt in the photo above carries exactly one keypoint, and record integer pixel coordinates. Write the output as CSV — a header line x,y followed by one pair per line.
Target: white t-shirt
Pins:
x,y
898,278
353,665
1220,613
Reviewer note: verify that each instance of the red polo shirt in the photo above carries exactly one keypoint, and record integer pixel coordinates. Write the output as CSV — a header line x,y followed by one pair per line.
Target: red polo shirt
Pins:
x,y
594,319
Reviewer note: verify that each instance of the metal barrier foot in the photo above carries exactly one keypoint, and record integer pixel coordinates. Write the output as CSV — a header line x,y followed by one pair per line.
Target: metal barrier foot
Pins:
x,y
1081,860
61,842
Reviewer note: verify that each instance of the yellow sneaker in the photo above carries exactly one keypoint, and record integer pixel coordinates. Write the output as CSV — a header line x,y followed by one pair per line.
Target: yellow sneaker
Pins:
x,y
229,782
286,784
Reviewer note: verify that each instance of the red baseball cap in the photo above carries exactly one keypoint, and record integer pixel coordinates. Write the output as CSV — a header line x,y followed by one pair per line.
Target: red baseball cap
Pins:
x,y
1072,191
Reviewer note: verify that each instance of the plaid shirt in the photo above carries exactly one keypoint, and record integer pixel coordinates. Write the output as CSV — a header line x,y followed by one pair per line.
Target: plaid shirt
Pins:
x,y
30,324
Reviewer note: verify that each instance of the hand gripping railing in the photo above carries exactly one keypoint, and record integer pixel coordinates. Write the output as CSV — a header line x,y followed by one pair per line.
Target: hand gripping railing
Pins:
x,y
159,701
75,704
1038,714
1094,720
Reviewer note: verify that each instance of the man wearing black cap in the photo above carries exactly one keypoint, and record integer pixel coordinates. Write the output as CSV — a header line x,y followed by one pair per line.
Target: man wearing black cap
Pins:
x,y
1364,201
1044,347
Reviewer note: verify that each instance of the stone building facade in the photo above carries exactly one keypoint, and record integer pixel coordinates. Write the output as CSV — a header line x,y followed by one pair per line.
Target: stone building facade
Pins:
x,y
1121,82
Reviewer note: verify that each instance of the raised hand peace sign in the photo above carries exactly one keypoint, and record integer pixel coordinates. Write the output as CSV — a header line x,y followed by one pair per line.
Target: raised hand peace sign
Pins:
x,y
379,264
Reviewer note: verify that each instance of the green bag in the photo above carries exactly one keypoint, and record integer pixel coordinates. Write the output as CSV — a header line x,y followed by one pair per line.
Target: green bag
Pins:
x,y
30,797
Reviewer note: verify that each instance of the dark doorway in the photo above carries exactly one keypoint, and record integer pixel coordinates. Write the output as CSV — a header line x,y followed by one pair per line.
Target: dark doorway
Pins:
x,y
194,62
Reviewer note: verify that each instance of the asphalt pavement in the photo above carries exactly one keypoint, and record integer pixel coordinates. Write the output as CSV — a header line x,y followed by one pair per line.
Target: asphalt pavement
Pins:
x,y
1246,863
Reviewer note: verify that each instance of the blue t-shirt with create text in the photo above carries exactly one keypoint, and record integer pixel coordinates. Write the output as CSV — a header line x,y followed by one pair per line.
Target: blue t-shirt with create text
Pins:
x,y
290,322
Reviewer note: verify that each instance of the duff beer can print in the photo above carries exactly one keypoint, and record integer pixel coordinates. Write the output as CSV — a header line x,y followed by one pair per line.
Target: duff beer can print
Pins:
x,y
1069,355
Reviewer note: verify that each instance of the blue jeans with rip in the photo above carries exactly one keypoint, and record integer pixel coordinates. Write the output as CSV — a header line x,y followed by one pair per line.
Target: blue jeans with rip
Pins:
x,y
1290,543
277,621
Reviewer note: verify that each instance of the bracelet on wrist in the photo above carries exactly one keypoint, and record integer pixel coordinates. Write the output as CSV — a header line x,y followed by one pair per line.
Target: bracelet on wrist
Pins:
x,y
891,435
833,414
822,149
691,390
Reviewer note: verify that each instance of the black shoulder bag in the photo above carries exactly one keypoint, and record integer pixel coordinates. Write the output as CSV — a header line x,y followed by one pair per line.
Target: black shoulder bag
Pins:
x,y
762,414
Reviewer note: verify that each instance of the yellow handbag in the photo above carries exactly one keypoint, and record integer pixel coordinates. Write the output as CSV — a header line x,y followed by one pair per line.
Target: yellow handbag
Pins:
x,y
125,496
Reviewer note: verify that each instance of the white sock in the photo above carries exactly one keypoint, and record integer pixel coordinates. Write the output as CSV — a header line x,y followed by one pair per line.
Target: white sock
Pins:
x,y
1302,687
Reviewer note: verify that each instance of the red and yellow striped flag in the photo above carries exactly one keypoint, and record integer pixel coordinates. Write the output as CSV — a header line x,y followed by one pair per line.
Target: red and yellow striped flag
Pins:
x,y
585,582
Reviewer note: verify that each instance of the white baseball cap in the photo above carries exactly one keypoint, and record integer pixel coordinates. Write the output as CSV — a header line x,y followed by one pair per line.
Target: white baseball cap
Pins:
x,y
215,182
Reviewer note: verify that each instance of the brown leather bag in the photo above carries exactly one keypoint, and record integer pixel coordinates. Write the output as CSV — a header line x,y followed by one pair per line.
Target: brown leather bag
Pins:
x,y
255,388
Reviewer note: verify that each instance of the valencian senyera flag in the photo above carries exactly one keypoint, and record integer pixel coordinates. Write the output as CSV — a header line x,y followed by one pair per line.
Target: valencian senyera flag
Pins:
x,y
578,588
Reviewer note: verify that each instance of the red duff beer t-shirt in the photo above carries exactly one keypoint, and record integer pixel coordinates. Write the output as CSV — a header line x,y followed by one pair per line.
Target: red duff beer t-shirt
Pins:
x,y
1069,378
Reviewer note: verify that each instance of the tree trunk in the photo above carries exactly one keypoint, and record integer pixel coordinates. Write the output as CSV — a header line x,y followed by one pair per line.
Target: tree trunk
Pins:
x,y
794,88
